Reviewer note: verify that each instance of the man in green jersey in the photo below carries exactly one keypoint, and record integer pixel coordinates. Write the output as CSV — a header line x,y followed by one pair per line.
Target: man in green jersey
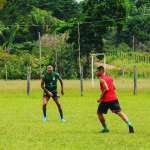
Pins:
x,y
49,86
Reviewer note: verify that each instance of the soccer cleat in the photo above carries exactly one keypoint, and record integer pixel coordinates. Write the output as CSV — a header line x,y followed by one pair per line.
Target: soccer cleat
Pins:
x,y
105,130
44,119
131,130
63,120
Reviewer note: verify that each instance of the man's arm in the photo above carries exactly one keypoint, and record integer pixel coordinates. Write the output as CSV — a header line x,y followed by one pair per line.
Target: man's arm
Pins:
x,y
62,85
103,82
46,90
42,84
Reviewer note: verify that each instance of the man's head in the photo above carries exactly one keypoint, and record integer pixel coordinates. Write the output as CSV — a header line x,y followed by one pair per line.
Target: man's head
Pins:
x,y
100,71
49,68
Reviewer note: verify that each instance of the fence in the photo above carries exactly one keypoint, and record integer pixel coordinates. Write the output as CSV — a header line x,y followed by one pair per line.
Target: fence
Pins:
x,y
123,63
135,57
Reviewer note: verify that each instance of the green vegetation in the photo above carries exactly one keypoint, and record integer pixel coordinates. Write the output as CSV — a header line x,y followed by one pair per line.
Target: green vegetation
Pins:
x,y
22,127
119,28
104,25
123,62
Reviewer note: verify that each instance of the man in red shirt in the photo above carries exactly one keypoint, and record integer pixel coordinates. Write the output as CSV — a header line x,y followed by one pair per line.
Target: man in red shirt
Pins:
x,y
109,100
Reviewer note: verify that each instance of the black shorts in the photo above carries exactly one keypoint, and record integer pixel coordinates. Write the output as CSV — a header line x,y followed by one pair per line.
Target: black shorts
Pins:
x,y
55,95
114,106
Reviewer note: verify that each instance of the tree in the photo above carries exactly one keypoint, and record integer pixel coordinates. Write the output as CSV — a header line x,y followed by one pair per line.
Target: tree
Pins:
x,y
22,32
101,15
137,24
62,9
96,18
2,4
24,24
138,27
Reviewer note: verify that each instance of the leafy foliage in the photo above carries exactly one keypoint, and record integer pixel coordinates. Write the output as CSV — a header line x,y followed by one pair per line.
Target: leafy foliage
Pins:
x,y
103,24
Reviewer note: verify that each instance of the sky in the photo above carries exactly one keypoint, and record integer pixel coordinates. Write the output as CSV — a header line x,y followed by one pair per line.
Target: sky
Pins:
x,y
79,0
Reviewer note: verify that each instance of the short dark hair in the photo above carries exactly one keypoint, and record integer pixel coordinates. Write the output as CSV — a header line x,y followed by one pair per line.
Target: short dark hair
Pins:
x,y
100,68
49,65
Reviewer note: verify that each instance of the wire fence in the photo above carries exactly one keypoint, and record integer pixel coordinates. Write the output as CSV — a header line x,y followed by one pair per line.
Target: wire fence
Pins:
x,y
135,57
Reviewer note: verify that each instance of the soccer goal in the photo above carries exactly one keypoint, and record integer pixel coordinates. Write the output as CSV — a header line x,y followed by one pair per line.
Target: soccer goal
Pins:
x,y
97,59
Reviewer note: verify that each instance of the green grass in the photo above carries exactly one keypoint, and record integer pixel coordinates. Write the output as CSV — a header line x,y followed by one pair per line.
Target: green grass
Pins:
x,y
21,126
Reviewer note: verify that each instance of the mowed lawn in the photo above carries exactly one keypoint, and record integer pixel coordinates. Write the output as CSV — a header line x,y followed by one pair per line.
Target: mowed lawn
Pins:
x,y
21,126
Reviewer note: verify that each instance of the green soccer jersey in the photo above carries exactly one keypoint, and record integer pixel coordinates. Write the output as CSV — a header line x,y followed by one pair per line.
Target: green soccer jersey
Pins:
x,y
50,81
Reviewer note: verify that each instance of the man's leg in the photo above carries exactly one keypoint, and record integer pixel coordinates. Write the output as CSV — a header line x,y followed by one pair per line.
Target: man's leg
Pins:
x,y
102,108
103,122
59,108
124,117
45,102
115,108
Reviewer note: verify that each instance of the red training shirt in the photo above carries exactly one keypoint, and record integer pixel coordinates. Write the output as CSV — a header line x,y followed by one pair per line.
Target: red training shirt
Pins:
x,y
110,95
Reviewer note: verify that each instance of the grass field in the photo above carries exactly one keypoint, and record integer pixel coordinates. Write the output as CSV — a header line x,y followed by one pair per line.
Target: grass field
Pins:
x,y
21,126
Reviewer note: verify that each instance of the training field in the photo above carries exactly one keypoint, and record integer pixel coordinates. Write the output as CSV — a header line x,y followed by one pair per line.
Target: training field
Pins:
x,y
21,126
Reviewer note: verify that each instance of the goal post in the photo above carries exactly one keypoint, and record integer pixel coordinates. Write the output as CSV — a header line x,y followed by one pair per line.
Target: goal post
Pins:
x,y
92,64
